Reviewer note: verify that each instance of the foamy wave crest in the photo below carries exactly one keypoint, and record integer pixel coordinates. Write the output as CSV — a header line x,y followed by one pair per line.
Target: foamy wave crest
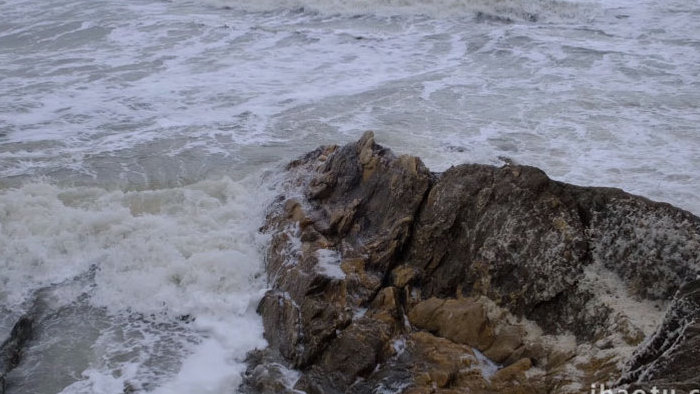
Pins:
x,y
496,10
170,273
180,250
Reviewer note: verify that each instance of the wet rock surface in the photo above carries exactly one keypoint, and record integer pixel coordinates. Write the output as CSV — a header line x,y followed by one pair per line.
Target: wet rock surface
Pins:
x,y
385,277
11,350
669,357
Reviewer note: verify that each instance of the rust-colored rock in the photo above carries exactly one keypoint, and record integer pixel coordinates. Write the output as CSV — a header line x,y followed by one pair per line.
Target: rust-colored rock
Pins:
x,y
462,321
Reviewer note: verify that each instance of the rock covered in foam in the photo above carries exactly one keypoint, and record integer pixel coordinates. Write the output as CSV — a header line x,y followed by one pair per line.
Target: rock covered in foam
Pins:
x,y
385,276
669,357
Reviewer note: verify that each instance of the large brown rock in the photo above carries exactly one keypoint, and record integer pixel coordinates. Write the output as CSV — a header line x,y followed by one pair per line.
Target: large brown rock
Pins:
x,y
328,255
462,321
384,276
523,240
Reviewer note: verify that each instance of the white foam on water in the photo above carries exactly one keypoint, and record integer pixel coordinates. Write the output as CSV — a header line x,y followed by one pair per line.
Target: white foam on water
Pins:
x,y
192,251
329,263
486,366
606,97
216,365
399,346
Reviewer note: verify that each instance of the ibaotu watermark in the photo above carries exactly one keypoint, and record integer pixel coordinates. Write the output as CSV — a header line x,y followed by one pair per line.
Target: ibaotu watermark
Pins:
x,y
600,389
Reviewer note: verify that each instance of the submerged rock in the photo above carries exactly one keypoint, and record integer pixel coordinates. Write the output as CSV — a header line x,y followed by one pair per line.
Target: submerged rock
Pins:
x,y
11,350
385,276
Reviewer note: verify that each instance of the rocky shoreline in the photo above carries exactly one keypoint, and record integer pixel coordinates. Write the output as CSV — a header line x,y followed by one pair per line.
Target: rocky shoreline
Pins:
x,y
385,277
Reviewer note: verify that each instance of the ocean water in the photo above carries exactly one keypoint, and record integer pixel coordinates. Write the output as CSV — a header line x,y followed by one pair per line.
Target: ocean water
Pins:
x,y
140,141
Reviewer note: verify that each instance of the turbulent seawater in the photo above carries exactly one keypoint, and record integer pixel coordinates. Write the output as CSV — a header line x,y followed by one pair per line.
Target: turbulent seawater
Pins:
x,y
141,139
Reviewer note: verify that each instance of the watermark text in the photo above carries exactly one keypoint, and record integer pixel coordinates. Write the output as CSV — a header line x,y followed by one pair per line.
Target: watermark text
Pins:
x,y
600,389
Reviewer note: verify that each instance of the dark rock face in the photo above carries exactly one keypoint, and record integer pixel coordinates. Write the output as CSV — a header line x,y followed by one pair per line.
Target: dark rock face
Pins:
x,y
11,349
523,240
669,358
502,232
384,276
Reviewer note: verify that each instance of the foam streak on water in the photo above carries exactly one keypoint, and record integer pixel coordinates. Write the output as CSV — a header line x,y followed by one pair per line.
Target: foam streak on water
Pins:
x,y
134,136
